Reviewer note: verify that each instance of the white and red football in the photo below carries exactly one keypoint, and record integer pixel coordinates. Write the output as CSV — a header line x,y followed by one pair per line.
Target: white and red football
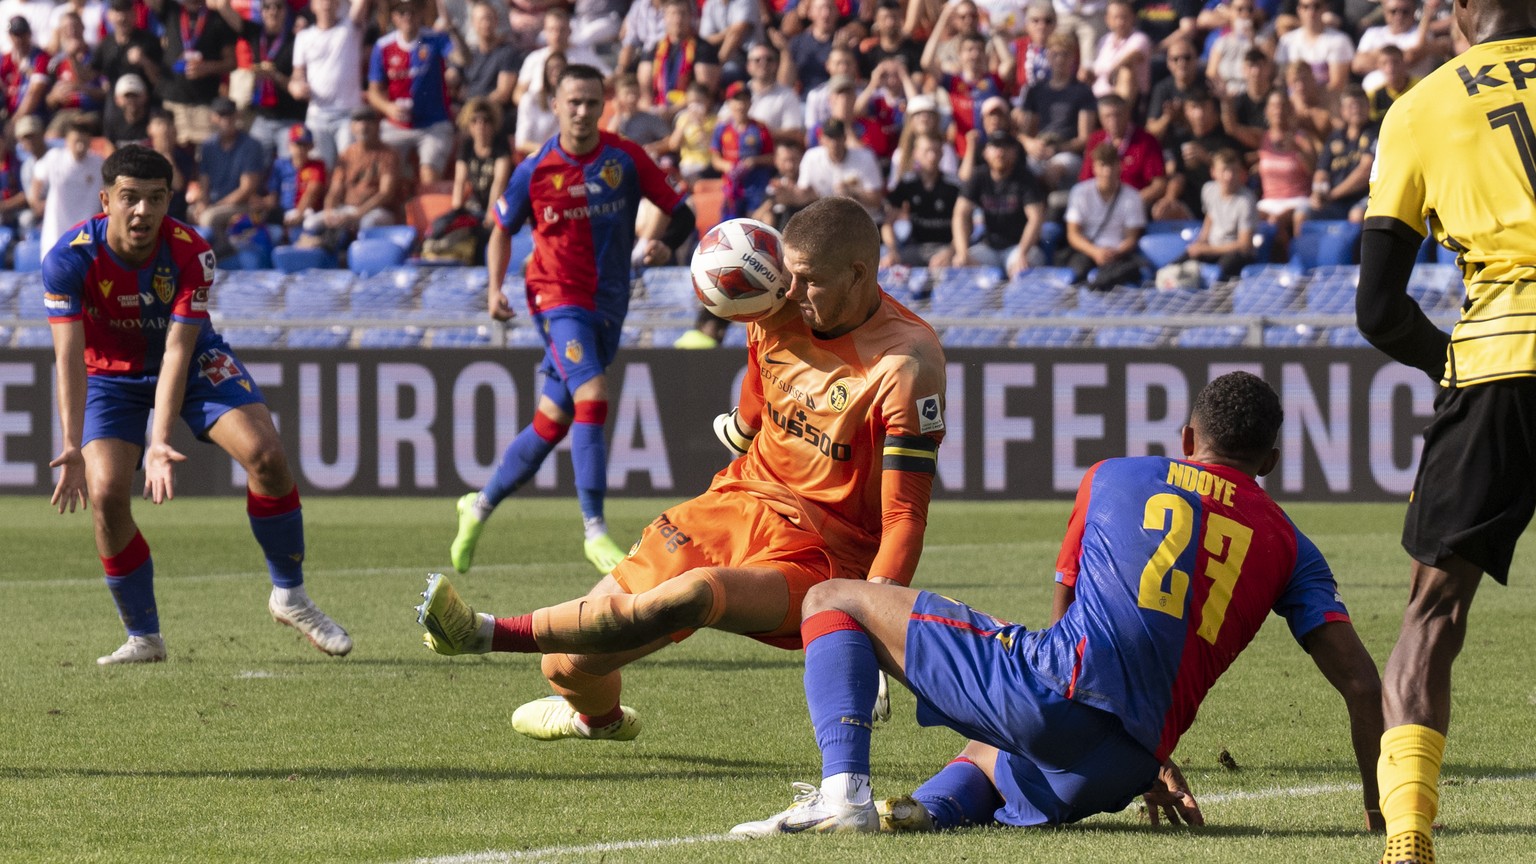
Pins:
x,y
738,270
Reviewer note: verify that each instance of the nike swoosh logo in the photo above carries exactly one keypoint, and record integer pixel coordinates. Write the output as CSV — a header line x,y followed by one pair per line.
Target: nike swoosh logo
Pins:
x,y
773,362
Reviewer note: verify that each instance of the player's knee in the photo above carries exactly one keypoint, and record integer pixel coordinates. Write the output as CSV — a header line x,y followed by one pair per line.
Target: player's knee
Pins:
x,y
686,602
823,596
267,465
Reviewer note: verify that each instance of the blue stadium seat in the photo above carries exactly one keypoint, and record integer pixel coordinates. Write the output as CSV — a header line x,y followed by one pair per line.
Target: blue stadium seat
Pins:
x,y
1211,337
522,247
666,289
316,298
1036,292
403,236
632,337
1162,249
1325,242
1437,286
1130,337
461,337
319,337
1116,301
390,337
11,284
34,337
1290,336
1264,239
367,257
736,337
1052,237
1182,302
29,256
964,293
1185,229
251,295
524,336
252,337
6,333
465,297
1267,289
7,237
975,337
292,259
985,278
1048,337
1346,337
1331,290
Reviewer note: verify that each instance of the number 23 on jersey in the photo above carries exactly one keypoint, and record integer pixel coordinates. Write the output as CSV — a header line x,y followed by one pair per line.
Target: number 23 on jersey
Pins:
x,y
1164,587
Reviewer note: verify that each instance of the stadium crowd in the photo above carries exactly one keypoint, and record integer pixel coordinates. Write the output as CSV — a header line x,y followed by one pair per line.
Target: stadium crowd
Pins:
x,y
1010,133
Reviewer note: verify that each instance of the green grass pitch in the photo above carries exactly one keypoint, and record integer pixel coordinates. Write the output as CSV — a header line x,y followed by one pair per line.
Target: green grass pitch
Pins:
x,y
248,745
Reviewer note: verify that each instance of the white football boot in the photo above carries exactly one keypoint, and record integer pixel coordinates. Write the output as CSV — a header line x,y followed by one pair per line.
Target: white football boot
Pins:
x,y
138,649
813,813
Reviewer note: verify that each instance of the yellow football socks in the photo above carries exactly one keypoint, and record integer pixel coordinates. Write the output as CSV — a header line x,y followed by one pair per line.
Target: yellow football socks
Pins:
x,y
1408,773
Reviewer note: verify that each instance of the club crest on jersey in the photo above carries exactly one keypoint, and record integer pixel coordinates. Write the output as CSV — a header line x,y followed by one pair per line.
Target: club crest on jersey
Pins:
x,y
164,287
573,351
611,173
837,397
218,367
930,416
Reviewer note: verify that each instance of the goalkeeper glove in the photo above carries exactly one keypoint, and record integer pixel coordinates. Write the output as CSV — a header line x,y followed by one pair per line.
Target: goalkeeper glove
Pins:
x,y
730,434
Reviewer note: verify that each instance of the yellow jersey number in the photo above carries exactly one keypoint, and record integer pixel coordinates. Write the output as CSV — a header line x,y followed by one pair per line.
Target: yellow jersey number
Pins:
x,y
1164,587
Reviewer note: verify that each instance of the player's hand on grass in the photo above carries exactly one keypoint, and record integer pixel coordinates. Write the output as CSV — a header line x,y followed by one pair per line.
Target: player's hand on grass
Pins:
x,y
159,467
1170,798
70,490
498,305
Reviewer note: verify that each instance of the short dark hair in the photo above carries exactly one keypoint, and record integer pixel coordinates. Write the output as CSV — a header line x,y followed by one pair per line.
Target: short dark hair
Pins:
x,y
137,162
1239,416
834,225
579,72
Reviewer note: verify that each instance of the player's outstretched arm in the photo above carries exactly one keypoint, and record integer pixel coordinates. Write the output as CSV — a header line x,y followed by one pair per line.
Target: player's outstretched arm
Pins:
x,y
1170,798
1336,649
160,457
69,361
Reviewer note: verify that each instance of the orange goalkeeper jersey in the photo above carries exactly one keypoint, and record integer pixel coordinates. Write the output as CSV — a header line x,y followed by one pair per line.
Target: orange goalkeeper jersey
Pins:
x,y
848,432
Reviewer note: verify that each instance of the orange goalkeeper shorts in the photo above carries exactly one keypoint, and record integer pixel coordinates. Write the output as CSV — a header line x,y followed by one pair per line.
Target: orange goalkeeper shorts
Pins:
x,y
729,529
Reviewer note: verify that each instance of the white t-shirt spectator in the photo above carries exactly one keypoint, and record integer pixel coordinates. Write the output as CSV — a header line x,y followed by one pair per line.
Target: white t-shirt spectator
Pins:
x,y
535,123
1230,216
717,16
72,188
778,107
332,61
1105,223
644,25
1329,47
1377,38
90,15
38,14
533,66
824,177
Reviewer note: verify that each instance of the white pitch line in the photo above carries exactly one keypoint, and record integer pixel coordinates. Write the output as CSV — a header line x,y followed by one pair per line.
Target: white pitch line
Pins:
x,y
552,852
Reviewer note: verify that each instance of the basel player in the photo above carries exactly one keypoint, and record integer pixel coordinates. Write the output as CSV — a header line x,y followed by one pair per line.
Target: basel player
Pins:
x,y
1168,569
583,191
839,420
1474,493
127,298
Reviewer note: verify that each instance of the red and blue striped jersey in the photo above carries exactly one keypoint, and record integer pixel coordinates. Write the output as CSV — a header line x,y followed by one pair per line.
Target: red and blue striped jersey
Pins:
x,y
414,71
128,310
583,210
1175,565
966,99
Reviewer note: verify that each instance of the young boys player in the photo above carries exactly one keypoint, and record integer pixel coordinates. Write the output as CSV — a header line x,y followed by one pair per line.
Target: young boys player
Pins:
x,y
839,421
127,299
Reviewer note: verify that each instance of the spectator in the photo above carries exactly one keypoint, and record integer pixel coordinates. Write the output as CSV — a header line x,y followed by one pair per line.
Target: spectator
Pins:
x,y
75,85
31,147
692,131
957,22
968,90
1226,234
490,72
995,121
1421,50
680,58
363,191
1030,61
14,210
1326,50
296,187
24,72
1309,102
269,46
1083,19
127,121
643,27
484,164
1123,58
200,50
888,42
842,107
1105,220
183,159
536,121
1012,207
1224,64
38,14
1395,81
742,151
1287,158
327,73
785,195
595,23
128,48
810,55
730,26
1343,177
842,64
883,104
66,185
1139,156
557,40
232,169
835,168
91,14
641,127
1193,151
774,105
1243,115
407,85
922,119
1165,108
925,200
1059,115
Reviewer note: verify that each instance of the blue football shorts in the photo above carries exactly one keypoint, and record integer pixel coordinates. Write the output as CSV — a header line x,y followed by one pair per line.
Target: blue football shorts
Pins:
x,y
118,406
1060,761
578,346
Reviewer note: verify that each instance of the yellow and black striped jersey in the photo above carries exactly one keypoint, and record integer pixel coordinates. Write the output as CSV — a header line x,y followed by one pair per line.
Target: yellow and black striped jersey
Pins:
x,y
1458,153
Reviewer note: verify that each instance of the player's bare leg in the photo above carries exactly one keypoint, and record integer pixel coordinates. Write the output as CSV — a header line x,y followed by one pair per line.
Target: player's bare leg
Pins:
x,y
247,434
1416,704
110,465
852,631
